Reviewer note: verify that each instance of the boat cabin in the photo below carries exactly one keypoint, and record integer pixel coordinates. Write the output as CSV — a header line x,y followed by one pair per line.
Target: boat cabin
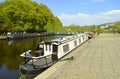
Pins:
x,y
59,47
47,48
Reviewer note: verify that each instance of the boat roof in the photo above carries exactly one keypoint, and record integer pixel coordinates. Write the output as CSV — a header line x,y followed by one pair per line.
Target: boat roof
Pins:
x,y
62,39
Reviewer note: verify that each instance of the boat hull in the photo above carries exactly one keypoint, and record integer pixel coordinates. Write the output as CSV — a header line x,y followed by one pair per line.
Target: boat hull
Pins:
x,y
31,73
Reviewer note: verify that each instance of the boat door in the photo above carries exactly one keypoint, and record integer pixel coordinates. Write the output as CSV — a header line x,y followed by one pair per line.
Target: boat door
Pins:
x,y
48,48
55,52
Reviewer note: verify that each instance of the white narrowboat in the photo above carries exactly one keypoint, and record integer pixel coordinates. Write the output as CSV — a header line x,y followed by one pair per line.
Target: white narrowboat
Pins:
x,y
49,52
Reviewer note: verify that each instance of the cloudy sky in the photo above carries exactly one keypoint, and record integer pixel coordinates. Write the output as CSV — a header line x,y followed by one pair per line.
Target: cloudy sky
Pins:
x,y
84,12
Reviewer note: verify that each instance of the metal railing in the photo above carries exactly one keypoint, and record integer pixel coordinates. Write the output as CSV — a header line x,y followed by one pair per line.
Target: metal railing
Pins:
x,y
41,62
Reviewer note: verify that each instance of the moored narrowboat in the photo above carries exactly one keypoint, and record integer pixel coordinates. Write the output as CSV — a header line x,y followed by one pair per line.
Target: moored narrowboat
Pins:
x,y
49,52
21,35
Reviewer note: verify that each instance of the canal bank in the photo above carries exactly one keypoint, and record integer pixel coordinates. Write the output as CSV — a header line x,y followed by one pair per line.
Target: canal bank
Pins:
x,y
96,59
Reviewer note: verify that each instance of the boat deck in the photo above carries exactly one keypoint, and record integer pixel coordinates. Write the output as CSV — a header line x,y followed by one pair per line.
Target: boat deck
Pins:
x,y
43,62
98,58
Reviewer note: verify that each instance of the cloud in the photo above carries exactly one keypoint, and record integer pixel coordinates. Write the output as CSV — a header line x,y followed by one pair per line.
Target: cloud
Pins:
x,y
87,19
110,13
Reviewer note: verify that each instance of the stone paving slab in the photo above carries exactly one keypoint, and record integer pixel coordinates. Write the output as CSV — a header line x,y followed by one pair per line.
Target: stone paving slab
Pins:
x,y
98,58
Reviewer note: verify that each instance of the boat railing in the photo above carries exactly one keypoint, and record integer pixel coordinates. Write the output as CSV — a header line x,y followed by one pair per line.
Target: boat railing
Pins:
x,y
41,61
47,60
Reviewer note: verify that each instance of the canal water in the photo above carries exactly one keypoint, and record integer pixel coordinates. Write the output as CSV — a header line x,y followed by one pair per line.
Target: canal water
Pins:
x,y
10,51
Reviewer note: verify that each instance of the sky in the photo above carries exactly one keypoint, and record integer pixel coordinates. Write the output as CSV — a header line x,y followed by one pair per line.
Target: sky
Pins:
x,y
84,12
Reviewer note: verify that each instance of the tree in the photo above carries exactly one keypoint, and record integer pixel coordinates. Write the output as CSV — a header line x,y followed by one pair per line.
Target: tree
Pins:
x,y
26,15
116,27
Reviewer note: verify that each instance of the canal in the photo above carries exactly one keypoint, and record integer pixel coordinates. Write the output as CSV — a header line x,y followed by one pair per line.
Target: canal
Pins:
x,y
10,51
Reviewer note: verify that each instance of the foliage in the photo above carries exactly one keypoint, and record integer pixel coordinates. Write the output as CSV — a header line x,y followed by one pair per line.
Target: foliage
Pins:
x,y
77,28
116,27
26,15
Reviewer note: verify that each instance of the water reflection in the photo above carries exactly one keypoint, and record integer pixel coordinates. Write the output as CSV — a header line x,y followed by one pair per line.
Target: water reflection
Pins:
x,y
5,73
9,55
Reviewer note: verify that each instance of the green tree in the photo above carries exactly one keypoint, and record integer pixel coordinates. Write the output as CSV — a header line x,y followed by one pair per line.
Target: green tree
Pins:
x,y
26,15
116,27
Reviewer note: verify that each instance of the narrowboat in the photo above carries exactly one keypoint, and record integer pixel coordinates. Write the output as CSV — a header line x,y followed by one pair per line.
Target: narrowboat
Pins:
x,y
21,35
49,52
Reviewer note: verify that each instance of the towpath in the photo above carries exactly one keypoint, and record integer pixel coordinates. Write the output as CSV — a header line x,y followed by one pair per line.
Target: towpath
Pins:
x,y
98,58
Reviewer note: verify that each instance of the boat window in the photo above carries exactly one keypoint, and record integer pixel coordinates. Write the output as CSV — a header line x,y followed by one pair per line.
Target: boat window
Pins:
x,y
83,38
86,37
75,43
40,46
66,48
49,47
79,41
46,47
